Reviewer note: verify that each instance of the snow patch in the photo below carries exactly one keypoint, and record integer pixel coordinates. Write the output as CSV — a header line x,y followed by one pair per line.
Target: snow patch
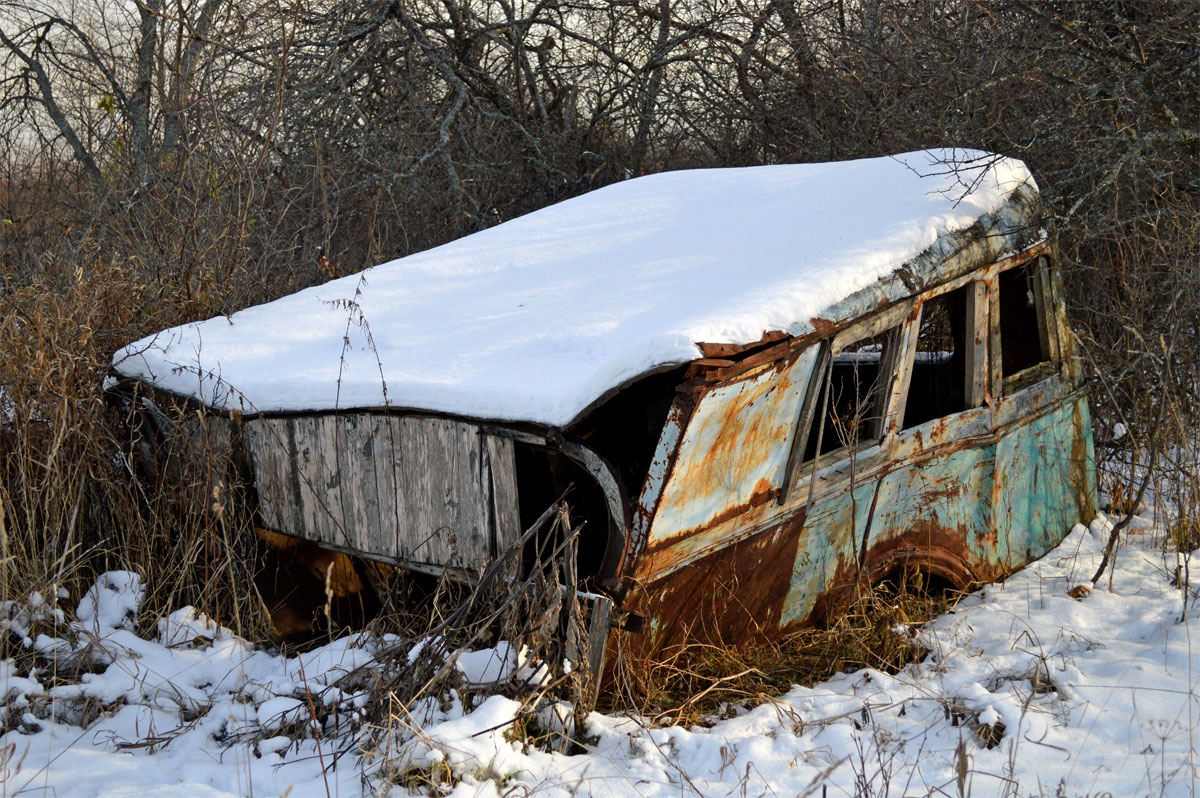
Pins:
x,y
112,603
1035,688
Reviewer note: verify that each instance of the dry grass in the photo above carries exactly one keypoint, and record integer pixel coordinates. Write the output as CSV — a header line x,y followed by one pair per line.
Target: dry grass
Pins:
x,y
71,506
696,683
532,613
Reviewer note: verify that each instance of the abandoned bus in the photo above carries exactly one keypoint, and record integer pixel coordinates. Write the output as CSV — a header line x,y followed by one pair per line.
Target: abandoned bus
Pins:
x,y
761,387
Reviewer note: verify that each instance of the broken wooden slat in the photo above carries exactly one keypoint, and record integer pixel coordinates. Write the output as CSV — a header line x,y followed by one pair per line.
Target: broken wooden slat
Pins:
x,y
598,627
506,515
976,345
713,362
732,350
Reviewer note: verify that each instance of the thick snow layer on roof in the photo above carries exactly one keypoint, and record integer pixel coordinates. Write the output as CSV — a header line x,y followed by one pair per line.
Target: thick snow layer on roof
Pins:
x,y
534,319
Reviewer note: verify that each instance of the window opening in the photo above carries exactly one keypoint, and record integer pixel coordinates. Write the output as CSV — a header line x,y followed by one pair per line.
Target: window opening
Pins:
x,y
849,411
1024,342
937,384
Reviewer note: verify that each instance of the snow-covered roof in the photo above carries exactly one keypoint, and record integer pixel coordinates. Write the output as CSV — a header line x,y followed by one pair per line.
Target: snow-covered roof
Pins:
x,y
536,318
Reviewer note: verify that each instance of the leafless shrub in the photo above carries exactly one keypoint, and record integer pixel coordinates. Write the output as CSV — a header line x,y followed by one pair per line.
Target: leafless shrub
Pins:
x,y
535,627
71,508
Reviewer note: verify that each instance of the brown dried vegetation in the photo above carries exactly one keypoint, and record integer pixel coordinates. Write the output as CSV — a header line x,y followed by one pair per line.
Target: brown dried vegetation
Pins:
x,y
694,683
157,168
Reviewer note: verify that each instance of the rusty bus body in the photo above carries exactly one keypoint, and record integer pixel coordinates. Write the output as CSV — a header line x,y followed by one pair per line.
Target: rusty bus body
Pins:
x,y
749,526
934,421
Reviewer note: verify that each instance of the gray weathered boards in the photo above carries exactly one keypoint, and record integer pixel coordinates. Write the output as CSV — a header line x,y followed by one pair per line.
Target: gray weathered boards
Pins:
x,y
410,489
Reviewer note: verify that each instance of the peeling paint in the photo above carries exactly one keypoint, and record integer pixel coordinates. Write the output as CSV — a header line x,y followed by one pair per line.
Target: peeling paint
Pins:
x,y
733,454
966,498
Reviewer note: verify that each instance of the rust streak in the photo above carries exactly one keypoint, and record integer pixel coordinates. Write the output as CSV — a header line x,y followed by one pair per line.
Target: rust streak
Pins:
x,y
763,494
926,546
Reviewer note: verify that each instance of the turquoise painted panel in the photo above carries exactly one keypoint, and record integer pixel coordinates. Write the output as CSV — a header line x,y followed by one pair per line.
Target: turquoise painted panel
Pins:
x,y
1007,502
952,492
826,544
1045,481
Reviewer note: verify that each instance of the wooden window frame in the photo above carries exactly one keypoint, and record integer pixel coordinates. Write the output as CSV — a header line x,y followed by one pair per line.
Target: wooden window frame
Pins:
x,y
891,319
1046,309
975,388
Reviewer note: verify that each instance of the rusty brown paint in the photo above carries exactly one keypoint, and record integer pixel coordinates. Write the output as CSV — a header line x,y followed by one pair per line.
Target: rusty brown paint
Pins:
x,y
822,326
731,596
720,350
949,490
926,547
963,552
712,362
734,438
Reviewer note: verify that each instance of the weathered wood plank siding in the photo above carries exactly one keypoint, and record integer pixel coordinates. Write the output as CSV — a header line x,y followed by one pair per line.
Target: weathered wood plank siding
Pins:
x,y
410,489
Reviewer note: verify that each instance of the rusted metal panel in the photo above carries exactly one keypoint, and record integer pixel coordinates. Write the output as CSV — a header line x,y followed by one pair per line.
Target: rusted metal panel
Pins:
x,y
967,497
734,452
828,545
730,595
739,350
949,489
937,508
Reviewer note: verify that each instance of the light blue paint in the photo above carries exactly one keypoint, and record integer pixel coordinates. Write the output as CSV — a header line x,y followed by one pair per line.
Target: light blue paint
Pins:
x,y
1044,488
830,535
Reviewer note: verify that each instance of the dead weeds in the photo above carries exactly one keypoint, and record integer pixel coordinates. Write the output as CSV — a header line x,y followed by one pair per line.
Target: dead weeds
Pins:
x,y
696,684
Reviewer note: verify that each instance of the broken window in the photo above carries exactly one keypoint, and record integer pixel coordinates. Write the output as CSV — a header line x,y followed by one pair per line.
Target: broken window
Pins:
x,y
849,411
1024,333
938,384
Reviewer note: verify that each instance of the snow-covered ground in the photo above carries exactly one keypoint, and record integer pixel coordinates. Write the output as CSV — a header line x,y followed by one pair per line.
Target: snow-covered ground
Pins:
x,y
1027,691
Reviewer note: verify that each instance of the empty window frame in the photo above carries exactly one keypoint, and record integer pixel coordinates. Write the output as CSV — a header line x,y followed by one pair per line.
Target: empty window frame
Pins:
x,y
943,379
1025,318
852,394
